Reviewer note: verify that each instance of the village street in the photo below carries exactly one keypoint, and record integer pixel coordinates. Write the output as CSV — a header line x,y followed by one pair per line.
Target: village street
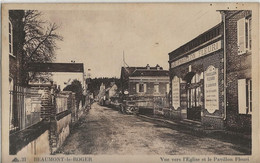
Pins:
x,y
106,131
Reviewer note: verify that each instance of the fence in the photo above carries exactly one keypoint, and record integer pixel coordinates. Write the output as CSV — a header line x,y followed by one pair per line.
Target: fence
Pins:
x,y
61,102
25,108
152,102
29,106
161,102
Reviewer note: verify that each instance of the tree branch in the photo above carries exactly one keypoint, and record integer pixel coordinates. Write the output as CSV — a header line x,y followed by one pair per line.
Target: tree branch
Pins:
x,y
51,30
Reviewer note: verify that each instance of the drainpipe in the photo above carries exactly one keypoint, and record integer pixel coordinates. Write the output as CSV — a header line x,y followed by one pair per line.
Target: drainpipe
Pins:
x,y
225,66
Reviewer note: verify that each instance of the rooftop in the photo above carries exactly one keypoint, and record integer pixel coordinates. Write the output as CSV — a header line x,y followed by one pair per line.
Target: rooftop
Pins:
x,y
56,67
144,71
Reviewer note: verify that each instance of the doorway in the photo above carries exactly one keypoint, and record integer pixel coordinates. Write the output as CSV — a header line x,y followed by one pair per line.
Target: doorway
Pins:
x,y
194,97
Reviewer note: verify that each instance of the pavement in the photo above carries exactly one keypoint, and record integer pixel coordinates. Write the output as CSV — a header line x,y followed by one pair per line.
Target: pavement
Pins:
x,y
196,127
106,131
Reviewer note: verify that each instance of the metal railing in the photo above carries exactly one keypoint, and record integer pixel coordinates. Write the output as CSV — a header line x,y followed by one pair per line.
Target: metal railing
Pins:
x,y
28,105
25,108
153,102
61,103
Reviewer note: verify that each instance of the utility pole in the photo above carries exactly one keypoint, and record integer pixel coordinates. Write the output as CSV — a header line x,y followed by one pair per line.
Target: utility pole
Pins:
x,y
125,64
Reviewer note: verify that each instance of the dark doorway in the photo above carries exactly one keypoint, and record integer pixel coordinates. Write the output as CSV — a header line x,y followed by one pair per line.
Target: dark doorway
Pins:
x,y
194,96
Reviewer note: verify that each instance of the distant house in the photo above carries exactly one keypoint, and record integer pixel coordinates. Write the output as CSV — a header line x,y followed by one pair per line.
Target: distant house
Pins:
x,y
145,81
102,92
113,90
61,73
105,94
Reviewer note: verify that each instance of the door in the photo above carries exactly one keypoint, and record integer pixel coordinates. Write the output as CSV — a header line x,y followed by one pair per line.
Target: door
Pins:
x,y
194,97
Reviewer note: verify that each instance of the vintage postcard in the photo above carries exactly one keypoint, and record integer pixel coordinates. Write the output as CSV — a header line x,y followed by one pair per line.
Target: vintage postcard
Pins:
x,y
130,82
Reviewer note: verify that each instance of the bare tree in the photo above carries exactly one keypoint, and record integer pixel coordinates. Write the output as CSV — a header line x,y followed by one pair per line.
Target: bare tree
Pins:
x,y
40,41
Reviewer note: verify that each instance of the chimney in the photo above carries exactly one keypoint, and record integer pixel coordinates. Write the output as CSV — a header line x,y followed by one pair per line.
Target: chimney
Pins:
x,y
158,67
148,67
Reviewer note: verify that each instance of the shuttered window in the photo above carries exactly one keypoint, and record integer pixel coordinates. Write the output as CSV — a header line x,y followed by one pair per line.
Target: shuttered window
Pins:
x,y
144,87
140,87
241,39
250,33
249,95
10,39
245,96
242,96
11,88
244,35
137,88
167,88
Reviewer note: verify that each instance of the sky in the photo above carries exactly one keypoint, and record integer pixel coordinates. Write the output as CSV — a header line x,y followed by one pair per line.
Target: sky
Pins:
x,y
98,34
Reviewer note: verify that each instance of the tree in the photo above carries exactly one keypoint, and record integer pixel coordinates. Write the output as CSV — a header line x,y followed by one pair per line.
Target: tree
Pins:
x,y
75,87
40,41
94,84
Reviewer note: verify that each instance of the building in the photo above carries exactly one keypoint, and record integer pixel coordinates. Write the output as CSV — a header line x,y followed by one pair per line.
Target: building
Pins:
x,y
111,93
40,115
239,66
102,90
16,40
62,73
211,72
145,81
113,90
146,87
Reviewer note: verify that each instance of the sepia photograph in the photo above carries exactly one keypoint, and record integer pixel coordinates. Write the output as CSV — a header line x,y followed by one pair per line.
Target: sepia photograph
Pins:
x,y
130,82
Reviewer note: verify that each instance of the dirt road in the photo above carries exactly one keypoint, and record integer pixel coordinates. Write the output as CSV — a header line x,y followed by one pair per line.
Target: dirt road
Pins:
x,y
106,131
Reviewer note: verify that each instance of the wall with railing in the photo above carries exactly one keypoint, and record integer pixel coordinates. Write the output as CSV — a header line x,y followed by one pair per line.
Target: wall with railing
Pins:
x,y
38,110
61,102
25,108
29,106
151,102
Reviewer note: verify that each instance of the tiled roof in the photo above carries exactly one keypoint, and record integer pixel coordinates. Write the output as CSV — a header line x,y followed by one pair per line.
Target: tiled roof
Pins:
x,y
143,71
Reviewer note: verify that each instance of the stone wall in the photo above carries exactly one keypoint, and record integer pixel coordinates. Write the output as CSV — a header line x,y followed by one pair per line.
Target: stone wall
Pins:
x,y
59,131
39,146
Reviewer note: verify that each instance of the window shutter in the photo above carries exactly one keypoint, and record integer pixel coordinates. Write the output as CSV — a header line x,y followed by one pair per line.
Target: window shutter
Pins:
x,y
241,36
167,88
242,96
144,88
137,88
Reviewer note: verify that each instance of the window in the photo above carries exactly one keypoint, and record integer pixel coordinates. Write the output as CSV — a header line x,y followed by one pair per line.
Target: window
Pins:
x,y
245,96
249,95
10,38
198,96
156,88
250,33
140,88
244,35
11,93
